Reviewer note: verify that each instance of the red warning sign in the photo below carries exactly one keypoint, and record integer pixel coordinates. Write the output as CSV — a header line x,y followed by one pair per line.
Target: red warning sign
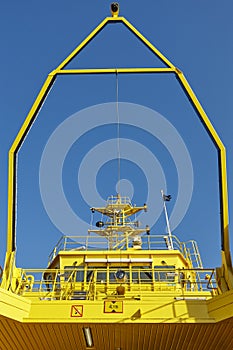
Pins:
x,y
76,311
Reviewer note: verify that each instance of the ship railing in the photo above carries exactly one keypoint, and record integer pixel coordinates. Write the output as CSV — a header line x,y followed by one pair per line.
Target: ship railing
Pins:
x,y
95,242
118,200
92,283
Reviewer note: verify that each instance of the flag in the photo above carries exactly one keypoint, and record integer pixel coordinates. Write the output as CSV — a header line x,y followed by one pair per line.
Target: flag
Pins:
x,y
167,198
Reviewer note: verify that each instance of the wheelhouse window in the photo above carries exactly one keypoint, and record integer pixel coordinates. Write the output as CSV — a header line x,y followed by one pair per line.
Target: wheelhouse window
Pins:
x,y
165,273
74,273
141,274
101,275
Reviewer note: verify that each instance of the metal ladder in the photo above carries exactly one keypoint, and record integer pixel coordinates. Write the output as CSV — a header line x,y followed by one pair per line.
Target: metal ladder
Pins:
x,y
193,254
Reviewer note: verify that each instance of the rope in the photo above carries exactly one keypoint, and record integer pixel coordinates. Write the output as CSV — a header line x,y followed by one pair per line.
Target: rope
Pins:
x,y
118,136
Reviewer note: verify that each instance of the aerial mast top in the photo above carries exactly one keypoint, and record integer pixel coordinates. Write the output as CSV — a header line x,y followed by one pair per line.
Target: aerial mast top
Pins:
x,y
118,228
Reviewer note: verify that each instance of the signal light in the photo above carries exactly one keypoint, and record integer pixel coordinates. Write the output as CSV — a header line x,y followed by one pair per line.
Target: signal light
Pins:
x,y
99,224
115,9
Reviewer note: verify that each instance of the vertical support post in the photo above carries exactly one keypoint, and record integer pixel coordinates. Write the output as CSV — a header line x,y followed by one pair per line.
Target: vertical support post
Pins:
x,y
167,222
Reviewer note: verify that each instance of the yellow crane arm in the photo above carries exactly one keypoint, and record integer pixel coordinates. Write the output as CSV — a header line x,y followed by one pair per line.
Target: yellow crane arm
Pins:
x,y
225,273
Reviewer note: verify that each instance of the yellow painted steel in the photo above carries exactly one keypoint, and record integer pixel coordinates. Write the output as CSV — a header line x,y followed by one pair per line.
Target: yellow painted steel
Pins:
x,y
116,70
225,273
12,166
100,27
33,310
221,307
84,42
147,43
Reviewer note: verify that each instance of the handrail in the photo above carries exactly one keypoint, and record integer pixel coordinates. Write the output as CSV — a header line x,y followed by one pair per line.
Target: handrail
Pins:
x,y
76,243
50,284
68,288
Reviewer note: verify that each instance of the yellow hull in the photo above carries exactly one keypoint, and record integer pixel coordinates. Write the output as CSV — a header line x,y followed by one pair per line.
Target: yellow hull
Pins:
x,y
166,323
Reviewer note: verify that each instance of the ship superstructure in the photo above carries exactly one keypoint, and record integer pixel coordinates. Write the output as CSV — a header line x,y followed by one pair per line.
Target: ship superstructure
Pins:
x,y
117,287
103,288
119,261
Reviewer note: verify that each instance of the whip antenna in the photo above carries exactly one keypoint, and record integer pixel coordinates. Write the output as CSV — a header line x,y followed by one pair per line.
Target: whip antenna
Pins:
x,y
118,136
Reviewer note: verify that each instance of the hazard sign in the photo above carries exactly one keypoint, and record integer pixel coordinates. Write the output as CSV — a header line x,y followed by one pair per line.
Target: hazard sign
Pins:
x,y
76,311
113,306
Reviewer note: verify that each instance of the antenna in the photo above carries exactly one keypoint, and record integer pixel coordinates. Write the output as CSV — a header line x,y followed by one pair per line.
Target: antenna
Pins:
x,y
118,228
118,136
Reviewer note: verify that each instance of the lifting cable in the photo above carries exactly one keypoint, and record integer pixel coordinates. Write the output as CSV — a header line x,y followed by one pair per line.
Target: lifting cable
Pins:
x,y
118,135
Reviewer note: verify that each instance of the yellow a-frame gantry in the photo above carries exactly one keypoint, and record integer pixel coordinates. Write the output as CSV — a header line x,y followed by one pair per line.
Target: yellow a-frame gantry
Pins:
x,y
225,273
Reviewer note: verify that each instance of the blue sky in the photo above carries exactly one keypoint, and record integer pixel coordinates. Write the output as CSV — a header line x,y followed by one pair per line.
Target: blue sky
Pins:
x,y
195,36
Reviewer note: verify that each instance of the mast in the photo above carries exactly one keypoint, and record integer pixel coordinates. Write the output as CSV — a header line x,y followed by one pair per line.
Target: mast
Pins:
x,y
169,242
118,228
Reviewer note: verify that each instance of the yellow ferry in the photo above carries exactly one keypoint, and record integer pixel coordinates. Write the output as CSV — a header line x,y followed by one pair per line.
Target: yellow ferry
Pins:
x,y
118,287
